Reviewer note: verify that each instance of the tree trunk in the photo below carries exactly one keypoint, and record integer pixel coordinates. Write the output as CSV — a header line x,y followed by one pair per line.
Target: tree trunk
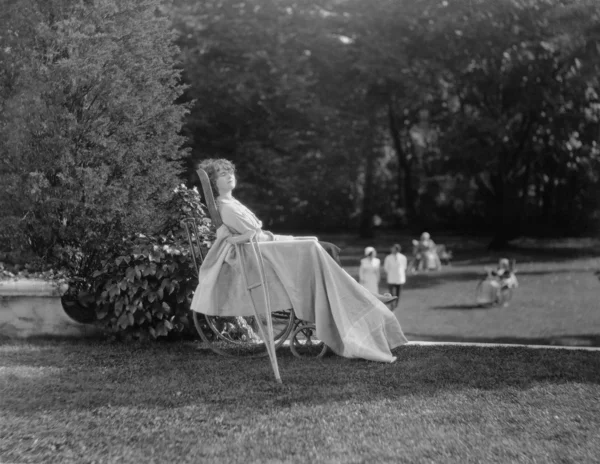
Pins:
x,y
508,217
405,190
366,229
366,222
503,227
524,195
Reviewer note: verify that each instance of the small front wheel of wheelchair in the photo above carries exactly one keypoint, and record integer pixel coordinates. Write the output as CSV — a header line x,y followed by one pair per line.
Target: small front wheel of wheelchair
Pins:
x,y
304,344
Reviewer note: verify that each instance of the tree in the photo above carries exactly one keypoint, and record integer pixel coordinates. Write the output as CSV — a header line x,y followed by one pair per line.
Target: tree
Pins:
x,y
260,73
517,90
90,147
309,98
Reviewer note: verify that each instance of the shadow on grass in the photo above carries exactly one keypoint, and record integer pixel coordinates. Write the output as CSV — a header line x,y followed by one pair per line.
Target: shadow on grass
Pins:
x,y
523,255
432,279
77,376
556,271
463,306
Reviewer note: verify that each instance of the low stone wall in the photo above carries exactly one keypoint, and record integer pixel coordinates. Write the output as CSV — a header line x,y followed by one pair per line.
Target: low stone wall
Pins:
x,y
32,307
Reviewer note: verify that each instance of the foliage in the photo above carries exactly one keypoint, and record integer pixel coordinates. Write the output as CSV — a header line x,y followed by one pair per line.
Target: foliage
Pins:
x,y
260,101
90,143
520,109
185,206
448,404
144,288
148,289
489,107
31,271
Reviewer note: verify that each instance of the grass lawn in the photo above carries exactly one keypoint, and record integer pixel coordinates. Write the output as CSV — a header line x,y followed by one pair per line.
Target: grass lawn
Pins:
x,y
91,401
558,301
173,402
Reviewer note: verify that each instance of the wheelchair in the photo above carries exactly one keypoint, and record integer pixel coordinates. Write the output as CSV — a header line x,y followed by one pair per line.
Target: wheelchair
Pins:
x,y
496,291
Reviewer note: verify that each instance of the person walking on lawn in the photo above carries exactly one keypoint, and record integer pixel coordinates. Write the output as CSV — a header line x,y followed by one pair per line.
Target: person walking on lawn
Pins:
x,y
394,266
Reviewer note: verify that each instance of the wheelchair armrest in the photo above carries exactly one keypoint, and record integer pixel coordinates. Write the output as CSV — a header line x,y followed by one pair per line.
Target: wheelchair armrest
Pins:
x,y
246,237
306,238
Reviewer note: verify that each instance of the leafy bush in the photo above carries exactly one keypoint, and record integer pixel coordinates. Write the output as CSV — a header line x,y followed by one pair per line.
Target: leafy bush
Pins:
x,y
148,289
145,289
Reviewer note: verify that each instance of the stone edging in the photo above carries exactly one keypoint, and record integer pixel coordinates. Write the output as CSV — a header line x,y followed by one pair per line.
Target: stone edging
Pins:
x,y
33,307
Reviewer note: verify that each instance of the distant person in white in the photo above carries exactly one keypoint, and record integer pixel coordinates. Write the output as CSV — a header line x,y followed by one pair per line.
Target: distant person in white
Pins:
x,y
368,272
395,268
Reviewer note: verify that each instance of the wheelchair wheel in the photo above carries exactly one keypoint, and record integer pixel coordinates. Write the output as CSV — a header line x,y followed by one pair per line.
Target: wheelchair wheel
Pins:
x,y
240,336
304,344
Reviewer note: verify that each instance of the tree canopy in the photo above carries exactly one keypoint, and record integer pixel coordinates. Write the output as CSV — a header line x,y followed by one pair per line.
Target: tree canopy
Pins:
x,y
464,113
469,114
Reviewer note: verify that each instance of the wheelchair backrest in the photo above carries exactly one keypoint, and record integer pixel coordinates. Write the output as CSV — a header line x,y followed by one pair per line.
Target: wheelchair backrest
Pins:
x,y
191,226
209,198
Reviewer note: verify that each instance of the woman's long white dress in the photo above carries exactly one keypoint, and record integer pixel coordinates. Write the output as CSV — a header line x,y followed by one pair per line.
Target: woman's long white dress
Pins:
x,y
368,273
300,275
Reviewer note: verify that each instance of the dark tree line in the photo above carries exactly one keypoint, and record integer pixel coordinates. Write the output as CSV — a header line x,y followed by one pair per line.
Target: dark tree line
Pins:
x,y
470,114
477,115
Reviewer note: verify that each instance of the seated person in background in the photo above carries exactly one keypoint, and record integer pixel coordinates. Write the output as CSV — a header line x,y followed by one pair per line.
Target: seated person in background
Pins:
x,y
497,280
352,321
369,270
506,277
426,257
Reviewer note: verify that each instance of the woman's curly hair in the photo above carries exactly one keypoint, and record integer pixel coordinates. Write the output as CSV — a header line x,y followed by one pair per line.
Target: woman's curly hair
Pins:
x,y
212,168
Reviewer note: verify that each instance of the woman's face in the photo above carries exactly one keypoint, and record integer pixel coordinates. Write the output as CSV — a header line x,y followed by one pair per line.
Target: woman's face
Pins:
x,y
225,181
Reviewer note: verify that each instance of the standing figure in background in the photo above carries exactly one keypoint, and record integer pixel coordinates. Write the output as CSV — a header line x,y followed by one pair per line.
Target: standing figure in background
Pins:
x,y
395,269
369,273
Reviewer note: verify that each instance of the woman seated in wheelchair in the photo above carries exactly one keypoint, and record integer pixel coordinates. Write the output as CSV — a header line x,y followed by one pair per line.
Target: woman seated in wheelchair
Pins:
x,y
498,284
300,274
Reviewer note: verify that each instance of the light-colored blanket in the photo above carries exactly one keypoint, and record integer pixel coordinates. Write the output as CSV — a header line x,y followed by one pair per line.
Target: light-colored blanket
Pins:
x,y
300,275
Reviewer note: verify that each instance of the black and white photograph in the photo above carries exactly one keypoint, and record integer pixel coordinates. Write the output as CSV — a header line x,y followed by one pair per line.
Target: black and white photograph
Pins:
x,y
299,231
